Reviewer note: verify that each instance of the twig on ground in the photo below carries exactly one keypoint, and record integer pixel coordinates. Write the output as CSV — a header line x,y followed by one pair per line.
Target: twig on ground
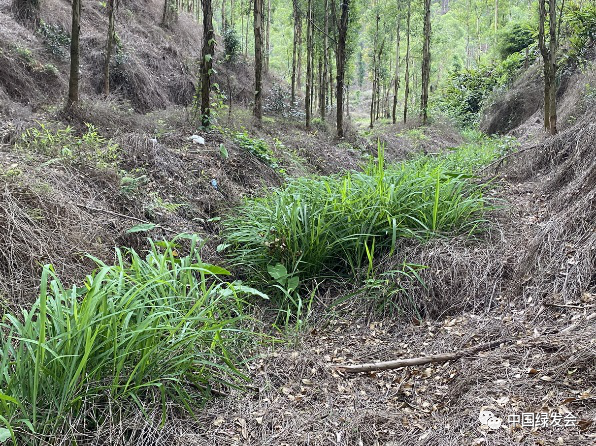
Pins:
x,y
503,158
442,357
129,217
579,307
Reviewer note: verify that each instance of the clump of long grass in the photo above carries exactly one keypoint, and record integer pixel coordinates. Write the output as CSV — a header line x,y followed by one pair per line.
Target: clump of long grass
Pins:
x,y
324,226
155,330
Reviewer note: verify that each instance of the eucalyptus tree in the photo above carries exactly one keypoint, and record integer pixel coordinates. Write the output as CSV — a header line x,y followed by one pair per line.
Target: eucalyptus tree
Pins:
x,y
207,54
73,81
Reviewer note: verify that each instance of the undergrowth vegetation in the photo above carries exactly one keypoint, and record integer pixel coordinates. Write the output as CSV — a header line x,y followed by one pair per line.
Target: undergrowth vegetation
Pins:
x,y
53,140
467,90
321,227
144,332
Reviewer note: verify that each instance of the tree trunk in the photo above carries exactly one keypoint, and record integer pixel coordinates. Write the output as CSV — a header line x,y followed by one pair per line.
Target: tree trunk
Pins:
x,y
549,61
223,16
496,18
207,62
348,101
425,64
396,81
407,71
112,5
340,58
297,20
232,13
553,47
444,6
169,13
373,99
73,82
27,11
308,96
323,98
267,38
258,30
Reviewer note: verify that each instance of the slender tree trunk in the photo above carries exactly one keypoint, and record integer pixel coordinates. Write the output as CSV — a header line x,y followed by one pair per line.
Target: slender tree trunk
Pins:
x,y
169,13
73,82
207,62
299,63
553,47
375,62
323,98
407,71
396,81
223,16
250,6
496,18
549,61
321,89
330,95
297,19
26,11
232,13
425,64
267,38
258,30
308,95
340,58
348,101
112,5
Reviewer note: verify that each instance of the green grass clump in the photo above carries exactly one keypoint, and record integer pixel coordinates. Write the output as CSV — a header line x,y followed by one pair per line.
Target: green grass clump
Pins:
x,y
144,332
318,227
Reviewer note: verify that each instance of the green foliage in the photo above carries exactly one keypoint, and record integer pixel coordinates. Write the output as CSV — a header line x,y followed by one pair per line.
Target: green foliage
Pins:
x,y
131,182
144,332
258,148
580,20
55,38
319,227
467,90
515,38
232,44
53,140
25,54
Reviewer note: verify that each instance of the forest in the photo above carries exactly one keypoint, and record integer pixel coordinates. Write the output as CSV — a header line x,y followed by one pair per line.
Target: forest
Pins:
x,y
321,222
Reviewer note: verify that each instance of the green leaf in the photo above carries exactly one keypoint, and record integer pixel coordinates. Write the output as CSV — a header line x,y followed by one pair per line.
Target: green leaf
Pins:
x,y
4,434
208,57
222,247
143,227
248,290
215,270
223,151
293,283
278,271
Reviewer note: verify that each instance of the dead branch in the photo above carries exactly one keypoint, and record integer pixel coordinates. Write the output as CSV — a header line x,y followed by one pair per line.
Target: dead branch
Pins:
x,y
503,158
128,217
442,357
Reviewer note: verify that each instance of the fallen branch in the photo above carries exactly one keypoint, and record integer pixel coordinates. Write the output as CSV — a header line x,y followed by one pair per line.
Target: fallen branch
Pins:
x,y
579,307
503,158
129,217
442,357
